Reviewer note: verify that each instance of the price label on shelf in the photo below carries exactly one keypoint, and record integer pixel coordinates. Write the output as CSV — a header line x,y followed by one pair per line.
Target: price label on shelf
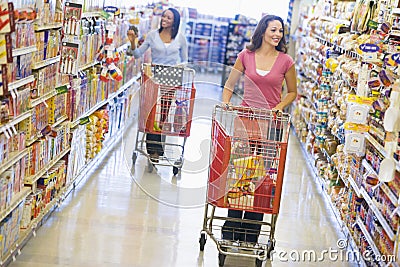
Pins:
x,y
84,121
62,89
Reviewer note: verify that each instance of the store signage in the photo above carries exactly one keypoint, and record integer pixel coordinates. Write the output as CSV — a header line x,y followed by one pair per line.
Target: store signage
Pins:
x,y
396,58
111,9
369,48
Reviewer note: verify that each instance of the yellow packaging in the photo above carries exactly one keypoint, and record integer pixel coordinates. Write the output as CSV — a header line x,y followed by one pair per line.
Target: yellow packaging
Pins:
x,y
249,167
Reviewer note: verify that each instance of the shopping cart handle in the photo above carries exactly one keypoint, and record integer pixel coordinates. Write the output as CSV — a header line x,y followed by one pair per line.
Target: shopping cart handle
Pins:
x,y
228,106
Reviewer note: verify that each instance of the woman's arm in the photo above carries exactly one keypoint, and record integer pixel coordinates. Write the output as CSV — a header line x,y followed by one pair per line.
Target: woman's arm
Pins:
x,y
184,50
138,52
291,84
234,76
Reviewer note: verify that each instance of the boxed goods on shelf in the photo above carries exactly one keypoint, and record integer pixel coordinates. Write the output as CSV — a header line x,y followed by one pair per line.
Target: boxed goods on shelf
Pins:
x,y
41,109
345,85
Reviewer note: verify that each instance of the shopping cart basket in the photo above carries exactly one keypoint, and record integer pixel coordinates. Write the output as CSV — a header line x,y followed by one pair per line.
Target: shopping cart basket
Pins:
x,y
247,162
165,108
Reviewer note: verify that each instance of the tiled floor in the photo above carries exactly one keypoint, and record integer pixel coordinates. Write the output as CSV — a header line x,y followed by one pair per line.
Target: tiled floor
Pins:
x,y
125,216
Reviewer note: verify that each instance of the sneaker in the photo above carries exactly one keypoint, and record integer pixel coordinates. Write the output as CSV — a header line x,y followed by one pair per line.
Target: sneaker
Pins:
x,y
154,158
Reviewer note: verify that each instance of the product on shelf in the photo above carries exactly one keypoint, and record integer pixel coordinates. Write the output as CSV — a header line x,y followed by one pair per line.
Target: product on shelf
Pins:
x,y
49,89
347,86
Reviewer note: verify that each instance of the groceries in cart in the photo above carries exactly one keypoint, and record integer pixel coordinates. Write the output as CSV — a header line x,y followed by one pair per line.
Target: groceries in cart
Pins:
x,y
250,177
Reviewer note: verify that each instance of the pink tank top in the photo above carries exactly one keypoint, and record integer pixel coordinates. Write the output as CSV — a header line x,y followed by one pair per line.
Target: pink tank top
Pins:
x,y
263,91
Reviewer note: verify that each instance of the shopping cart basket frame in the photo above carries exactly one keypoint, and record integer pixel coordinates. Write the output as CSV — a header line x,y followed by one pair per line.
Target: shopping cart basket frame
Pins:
x,y
262,166
166,100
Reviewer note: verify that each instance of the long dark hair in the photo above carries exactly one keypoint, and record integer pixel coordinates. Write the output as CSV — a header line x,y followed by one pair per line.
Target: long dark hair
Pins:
x,y
175,24
258,35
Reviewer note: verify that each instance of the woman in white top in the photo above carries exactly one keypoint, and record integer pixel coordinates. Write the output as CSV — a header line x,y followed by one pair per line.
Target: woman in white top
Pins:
x,y
168,47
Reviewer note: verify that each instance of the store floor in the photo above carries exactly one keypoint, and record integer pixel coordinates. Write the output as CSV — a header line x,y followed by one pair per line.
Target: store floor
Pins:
x,y
125,216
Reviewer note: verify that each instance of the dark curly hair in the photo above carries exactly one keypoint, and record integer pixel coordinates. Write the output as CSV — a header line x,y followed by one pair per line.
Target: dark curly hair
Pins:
x,y
257,38
175,24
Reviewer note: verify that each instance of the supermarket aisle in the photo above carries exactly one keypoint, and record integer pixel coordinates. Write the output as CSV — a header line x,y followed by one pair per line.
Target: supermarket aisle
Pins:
x,y
125,216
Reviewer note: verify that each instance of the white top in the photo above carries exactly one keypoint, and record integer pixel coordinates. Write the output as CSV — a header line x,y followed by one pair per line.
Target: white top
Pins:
x,y
167,44
262,72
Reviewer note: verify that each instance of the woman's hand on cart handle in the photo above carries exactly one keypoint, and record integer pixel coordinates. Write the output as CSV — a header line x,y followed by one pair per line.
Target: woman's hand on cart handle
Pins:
x,y
278,110
227,105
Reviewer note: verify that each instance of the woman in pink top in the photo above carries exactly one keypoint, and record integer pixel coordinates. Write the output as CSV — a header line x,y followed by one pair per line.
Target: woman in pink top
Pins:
x,y
265,66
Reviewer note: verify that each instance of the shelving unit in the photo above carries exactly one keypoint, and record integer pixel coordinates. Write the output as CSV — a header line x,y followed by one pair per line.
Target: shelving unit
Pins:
x,y
21,82
45,62
47,129
238,35
49,26
15,201
321,188
320,117
206,42
24,50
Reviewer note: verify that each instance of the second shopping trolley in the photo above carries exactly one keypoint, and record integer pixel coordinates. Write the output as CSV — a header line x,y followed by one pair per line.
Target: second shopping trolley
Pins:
x,y
247,163
165,112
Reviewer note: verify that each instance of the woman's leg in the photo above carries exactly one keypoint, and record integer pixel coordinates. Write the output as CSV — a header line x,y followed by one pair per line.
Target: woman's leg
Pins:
x,y
154,145
233,230
252,230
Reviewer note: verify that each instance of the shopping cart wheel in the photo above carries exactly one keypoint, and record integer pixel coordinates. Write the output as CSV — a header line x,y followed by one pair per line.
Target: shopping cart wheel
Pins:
x,y
134,158
175,170
202,241
221,259
150,166
271,246
259,263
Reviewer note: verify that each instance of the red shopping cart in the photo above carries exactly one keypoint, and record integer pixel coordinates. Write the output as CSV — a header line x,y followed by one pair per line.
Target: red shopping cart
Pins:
x,y
165,109
247,162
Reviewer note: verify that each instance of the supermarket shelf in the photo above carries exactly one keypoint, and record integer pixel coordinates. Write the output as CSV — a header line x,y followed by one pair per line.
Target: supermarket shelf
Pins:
x,y
86,66
380,148
394,33
93,162
384,186
91,14
15,121
41,99
21,82
59,121
198,36
13,159
378,214
39,135
26,234
46,62
368,237
48,26
354,185
390,194
15,201
24,50
33,178
343,227
336,21
102,103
